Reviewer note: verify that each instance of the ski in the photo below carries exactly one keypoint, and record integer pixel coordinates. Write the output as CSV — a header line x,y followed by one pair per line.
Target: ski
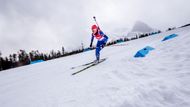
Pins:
x,y
83,65
90,65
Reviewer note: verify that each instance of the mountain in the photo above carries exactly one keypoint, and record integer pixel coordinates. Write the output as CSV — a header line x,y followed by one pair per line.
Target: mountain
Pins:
x,y
141,27
161,79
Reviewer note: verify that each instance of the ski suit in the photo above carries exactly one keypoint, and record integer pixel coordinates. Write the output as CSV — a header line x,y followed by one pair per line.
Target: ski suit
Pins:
x,y
102,40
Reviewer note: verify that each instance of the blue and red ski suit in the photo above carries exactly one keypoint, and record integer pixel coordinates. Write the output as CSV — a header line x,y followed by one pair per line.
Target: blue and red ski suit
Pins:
x,y
102,40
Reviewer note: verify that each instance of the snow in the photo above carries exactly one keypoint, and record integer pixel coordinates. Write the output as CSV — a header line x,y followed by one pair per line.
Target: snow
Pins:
x,y
161,79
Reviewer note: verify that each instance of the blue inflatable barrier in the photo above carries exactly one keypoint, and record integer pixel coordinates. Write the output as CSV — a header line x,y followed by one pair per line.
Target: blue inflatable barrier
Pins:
x,y
87,49
169,37
143,52
119,41
37,61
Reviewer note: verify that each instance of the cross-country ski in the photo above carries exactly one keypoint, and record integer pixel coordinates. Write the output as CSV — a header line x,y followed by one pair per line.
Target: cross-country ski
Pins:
x,y
89,66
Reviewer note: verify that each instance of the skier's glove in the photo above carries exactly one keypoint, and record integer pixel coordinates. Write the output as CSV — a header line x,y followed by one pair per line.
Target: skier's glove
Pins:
x,y
91,45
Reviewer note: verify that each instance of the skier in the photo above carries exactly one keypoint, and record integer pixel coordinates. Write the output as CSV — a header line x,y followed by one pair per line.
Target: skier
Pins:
x,y
102,40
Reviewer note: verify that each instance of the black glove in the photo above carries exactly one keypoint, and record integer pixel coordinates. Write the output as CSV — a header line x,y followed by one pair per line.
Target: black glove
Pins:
x,y
90,45
103,45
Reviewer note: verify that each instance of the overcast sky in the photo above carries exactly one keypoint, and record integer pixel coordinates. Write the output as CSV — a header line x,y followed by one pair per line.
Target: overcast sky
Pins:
x,y
50,24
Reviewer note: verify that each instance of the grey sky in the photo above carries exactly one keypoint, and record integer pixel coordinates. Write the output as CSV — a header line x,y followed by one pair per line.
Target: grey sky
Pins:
x,y
49,24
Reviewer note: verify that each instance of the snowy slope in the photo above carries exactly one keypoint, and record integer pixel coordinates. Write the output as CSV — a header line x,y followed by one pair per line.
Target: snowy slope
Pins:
x,y
161,79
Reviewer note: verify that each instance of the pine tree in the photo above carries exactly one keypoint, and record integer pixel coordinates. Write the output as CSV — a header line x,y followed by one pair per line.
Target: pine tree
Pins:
x,y
63,50
1,68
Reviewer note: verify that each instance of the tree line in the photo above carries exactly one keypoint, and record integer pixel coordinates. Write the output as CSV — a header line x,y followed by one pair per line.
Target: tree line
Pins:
x,y
23,58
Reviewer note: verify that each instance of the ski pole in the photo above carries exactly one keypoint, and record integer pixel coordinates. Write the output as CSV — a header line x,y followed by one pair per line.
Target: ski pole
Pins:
x,y
96,21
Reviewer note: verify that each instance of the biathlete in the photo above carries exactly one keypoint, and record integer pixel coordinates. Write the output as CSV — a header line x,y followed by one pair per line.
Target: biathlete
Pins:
x,y
102,40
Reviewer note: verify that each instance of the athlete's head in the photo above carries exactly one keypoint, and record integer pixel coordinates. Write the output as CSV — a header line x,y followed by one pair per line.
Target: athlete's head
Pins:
x,y
94,29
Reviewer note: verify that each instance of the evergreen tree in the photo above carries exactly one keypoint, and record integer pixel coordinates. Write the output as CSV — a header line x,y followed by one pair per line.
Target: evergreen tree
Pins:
x,y
1,59
63,50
